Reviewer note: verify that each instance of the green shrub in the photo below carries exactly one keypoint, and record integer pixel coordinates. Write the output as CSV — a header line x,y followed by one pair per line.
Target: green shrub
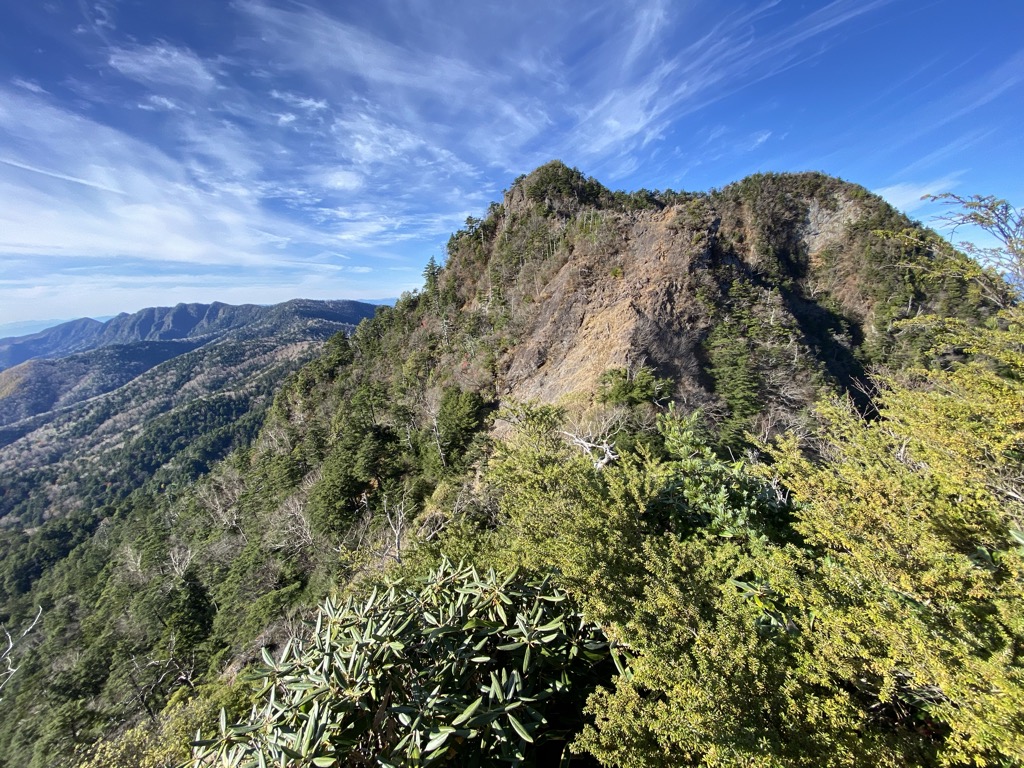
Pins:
x,y
619,386
460,667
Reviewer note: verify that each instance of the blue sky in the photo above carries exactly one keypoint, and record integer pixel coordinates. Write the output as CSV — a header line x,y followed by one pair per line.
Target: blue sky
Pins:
x,y
255,151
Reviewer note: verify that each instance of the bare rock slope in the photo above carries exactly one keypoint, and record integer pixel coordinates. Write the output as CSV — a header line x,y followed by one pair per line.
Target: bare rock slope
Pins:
x,y
786,283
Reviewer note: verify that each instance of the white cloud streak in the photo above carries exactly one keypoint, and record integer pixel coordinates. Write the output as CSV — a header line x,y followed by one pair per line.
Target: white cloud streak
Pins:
x,y
376,131
134,199
27,85
907,196
163,65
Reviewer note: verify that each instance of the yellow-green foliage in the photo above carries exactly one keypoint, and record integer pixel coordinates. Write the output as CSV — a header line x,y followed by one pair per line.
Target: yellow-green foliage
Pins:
x,y
713,682
559,511
859,604
915,523
163,742
675,556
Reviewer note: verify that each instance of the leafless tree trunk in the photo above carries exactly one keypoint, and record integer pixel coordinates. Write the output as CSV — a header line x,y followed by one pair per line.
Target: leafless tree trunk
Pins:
x,y
7,666
219,497
180,558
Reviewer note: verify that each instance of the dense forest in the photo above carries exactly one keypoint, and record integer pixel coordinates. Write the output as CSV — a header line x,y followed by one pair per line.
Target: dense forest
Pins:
x,y
636,479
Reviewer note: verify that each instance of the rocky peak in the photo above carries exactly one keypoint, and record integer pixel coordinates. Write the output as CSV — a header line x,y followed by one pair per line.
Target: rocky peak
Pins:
x,y
784,275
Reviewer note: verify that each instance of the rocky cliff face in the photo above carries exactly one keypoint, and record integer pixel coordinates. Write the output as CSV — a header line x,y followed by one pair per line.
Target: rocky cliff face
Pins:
x,y
792,280
653,293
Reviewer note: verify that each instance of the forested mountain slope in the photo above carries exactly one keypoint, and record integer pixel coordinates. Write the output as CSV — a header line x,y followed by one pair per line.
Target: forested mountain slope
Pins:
x,y
79,431
516,413
41,385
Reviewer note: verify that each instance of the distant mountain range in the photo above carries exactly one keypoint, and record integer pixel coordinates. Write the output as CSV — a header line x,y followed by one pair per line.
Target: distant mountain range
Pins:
x,y
25,327
183,321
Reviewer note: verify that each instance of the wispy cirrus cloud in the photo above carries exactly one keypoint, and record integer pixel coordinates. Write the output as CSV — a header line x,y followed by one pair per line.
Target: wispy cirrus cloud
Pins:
x,y
907,196
729,56
299,102
950,106
154,103
132,198
162,64
313,41
312,143
1007,76
650,21
59,175
27,85
950,149
598,101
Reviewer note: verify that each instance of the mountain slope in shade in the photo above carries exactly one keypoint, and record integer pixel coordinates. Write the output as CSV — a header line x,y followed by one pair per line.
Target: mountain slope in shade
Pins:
x,y
183,321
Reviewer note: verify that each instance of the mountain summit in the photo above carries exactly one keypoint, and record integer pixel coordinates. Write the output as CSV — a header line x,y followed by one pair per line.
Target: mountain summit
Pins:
x,y
752,298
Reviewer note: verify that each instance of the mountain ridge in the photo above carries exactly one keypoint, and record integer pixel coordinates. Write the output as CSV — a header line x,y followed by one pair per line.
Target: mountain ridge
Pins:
x,y
62,418
181,321
780,278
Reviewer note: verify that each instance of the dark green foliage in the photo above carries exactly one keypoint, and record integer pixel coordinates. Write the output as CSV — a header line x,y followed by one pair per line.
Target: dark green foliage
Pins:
x,y
430,274
24,558
707,496
736,378
560,189
139,594
459,418
332,502
620,386
190,612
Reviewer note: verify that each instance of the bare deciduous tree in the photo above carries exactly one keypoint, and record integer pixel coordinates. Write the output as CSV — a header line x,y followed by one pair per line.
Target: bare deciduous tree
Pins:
x,y
7,665
289,527
998,219
395,519
219,497
156,674
594,433
179,558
